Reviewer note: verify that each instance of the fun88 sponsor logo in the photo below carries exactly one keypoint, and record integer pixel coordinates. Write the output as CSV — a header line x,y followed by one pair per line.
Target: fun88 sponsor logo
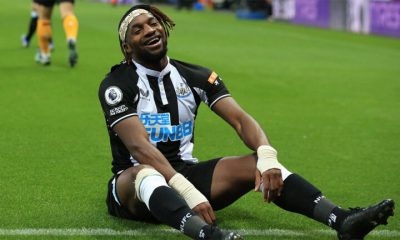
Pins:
x,y
159,129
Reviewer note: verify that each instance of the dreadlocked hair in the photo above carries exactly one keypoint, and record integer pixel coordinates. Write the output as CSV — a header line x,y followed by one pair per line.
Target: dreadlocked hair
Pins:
x,y
166,22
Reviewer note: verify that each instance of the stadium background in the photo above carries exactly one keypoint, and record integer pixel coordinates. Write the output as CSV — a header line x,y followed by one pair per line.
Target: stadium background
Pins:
x,y
329,101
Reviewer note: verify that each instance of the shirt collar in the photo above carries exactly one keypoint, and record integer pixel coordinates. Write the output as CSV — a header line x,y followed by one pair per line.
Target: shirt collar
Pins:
x,y
151,72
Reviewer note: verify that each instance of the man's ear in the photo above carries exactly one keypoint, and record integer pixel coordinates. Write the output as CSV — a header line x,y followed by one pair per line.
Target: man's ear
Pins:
x,y
125,47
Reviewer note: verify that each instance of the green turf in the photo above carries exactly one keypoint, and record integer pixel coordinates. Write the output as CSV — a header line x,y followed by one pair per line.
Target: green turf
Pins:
x,y
329,101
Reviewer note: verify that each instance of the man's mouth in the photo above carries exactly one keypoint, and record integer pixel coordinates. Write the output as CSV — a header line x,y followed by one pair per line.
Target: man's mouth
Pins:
x,y
152,41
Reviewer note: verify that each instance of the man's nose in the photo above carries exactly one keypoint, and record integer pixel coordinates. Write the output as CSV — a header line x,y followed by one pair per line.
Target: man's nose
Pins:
x,y
149,29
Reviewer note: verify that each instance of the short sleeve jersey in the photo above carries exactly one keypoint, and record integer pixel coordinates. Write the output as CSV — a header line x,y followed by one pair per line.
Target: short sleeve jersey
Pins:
x,y
166,102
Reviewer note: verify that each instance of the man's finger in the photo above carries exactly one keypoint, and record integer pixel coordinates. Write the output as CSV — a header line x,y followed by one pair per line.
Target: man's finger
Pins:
x,y
275,182
266,182
257,181
280,187
212,215
209,215
275,186
201,210
278,184
272,195
207,218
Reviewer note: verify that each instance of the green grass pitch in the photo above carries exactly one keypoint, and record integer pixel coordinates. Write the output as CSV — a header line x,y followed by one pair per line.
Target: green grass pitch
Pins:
x,y
329,101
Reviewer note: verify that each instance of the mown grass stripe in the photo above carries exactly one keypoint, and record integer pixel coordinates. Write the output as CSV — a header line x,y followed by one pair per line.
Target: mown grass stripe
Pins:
x,y
145,232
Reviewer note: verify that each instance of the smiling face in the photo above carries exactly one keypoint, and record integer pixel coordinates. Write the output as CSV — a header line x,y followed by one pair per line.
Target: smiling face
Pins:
x,y
146,41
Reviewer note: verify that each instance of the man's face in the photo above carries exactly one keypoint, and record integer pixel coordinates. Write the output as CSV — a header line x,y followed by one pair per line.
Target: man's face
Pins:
x,y
146,39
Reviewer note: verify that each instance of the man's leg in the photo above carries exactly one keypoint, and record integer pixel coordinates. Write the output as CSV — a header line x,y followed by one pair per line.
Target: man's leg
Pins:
x,y
71,26
235,176
144,184
44,34
32,26
232,178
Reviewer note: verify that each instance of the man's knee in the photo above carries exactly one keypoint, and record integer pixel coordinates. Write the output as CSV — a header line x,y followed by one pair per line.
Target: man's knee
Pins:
x,y
45,12
143,172
147,179
66,8
125,184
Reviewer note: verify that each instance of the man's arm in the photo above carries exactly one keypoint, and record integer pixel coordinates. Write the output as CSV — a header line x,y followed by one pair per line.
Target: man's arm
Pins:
x,y
246,127
134,136
253,136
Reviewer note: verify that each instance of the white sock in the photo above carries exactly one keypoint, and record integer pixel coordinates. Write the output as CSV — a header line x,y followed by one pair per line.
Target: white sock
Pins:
x,y
285,173
148,185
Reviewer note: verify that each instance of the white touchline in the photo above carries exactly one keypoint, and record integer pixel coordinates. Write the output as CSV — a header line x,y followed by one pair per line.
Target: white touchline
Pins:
x,y
153,232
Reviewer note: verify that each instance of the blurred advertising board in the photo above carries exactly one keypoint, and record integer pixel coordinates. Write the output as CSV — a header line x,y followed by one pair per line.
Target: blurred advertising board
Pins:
x,y
385,17
312,12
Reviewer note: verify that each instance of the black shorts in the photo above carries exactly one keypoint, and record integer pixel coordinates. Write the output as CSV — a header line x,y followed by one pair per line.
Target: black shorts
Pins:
x,y
200,175
50,3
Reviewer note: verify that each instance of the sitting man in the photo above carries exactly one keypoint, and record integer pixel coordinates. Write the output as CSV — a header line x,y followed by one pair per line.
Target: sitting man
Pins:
x,y
150,103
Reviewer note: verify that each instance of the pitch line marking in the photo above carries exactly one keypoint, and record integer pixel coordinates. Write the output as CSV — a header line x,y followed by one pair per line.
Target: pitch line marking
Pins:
x,y
153,232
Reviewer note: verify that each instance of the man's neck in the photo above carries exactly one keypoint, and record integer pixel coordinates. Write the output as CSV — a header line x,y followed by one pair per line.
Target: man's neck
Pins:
x,y
156,66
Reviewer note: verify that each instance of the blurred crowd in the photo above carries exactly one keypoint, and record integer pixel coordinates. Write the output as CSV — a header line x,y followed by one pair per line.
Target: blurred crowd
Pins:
x,y
361,16
252,5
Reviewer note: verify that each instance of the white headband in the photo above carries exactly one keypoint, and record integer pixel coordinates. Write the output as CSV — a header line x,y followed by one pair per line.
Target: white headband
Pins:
x,y
128,19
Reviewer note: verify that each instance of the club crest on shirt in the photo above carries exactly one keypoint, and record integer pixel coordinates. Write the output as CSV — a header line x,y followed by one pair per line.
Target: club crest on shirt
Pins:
x,y
182,90
113,95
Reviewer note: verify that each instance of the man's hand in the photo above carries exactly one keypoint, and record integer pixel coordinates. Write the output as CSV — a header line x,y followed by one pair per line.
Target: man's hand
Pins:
x,y
270,183
205,211
193,197
269,167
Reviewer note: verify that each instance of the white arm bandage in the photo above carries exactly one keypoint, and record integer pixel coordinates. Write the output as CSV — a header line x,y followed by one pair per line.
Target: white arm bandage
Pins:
x,y
267,158
192,196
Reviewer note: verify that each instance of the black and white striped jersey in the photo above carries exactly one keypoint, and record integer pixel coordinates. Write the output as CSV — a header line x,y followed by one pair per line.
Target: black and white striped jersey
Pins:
x,y
166,102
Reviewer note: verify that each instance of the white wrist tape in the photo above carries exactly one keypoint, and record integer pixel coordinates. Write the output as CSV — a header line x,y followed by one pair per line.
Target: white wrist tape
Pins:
x,y
267,158
192,196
